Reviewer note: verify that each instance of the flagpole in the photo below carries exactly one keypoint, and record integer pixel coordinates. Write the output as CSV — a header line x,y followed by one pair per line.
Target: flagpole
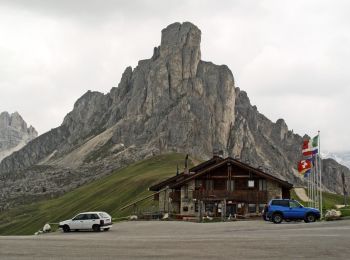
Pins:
x,y
308,191
315,188
320,171
315,202
316,182
312,187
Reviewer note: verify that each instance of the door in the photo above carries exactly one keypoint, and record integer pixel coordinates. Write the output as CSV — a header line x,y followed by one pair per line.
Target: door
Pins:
x,y
296,211
241,209
230,210
90,220
77,222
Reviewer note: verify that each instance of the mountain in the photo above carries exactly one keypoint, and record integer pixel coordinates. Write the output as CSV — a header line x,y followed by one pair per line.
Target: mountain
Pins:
x,y
341,157
172,102
14,133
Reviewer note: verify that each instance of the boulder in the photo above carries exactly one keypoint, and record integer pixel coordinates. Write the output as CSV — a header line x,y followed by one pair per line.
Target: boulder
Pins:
x,y
332,214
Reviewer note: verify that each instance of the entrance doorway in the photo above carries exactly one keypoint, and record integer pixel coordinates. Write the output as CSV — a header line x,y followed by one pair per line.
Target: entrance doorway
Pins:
x,y
231,209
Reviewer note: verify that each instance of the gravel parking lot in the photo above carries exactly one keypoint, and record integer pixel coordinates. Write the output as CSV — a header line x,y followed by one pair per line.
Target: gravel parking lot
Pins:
x,y
183,240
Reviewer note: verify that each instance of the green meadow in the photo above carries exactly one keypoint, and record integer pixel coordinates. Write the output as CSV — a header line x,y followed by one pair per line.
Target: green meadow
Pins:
x,y
108,194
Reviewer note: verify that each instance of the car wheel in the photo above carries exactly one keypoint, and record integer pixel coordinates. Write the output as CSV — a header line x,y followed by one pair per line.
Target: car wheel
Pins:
x,y
310,218
66,228
96,228
277,218
106,229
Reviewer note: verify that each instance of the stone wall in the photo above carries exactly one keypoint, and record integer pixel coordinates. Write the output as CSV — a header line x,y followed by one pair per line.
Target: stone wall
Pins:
x,y
187,203
274,190
164,205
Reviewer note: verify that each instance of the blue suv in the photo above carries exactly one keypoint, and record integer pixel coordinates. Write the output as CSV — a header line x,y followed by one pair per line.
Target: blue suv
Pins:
x,y
285,209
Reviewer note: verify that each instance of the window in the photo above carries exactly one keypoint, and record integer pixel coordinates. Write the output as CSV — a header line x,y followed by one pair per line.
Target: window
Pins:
x,y
261,207
219,184
94,216
196,206
252,208
103,215
282,203
251,183
262,185
80,217
185,208
198,183
231,185
186,191
209,184
294,204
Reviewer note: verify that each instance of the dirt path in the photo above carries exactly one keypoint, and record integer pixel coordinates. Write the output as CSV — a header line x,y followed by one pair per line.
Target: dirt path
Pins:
x,y
301,193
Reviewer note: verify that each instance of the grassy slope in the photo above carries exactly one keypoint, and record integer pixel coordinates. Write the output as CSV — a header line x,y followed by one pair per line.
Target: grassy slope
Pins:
x,y
329,199
107,194
345,212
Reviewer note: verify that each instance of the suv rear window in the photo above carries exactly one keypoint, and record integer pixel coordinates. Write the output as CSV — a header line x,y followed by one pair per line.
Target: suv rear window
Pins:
x,y
282,203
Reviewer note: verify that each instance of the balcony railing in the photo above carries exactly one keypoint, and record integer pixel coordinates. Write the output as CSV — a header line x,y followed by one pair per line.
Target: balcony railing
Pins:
x,y
239,195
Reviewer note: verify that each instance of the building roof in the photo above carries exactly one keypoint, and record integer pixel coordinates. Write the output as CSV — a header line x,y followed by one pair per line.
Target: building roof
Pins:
x,y
212,164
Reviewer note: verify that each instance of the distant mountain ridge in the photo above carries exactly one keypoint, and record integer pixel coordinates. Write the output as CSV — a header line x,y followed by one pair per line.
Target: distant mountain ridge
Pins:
x,y
341,157
172,102
14,133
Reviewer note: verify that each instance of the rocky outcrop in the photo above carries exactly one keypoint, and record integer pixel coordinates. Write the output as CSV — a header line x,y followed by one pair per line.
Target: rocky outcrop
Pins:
x,y
272,146
173,101
14,133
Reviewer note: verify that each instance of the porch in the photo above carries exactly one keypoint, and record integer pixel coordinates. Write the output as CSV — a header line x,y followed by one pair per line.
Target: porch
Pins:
x,y
247,196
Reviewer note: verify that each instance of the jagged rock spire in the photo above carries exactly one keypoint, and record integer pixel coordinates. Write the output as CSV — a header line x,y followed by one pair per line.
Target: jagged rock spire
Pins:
x,y
14,133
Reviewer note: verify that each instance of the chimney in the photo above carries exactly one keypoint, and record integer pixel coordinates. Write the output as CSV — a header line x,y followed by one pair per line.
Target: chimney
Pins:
x,y
186,171
218,153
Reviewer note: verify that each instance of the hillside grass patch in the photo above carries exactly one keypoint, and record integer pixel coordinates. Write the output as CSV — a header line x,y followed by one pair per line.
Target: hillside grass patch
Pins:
x,y
108,194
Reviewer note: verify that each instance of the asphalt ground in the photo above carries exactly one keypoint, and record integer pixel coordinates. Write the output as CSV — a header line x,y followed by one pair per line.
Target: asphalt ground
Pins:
x,y
185,240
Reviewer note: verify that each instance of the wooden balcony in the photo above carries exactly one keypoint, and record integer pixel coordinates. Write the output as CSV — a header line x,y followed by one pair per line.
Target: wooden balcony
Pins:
x,y
237,196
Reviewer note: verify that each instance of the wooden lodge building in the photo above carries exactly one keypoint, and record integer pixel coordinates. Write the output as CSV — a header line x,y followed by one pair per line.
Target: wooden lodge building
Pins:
x,y
219,188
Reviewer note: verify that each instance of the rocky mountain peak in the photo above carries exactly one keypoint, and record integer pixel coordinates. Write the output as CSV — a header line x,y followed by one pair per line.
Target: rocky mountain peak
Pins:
x,y
180,48
4,119
173,101
181,35
14,133
16,122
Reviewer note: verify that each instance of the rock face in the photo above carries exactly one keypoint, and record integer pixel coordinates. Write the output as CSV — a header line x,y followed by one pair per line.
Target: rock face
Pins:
x,y
173,101
257,140
14,133
341,157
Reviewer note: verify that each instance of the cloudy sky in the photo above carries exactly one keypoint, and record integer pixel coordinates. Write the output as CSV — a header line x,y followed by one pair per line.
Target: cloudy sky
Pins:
x,y
292,57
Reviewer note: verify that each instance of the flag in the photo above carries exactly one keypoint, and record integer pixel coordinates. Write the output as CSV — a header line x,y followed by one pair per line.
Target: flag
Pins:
x,y
315,141
308,147
307,173
304,166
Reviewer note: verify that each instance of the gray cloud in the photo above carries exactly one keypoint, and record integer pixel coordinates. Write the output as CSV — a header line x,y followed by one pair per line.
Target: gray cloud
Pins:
x,y
291,57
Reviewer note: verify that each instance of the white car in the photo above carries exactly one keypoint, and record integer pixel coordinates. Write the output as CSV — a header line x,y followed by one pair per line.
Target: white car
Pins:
x,y
88,220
